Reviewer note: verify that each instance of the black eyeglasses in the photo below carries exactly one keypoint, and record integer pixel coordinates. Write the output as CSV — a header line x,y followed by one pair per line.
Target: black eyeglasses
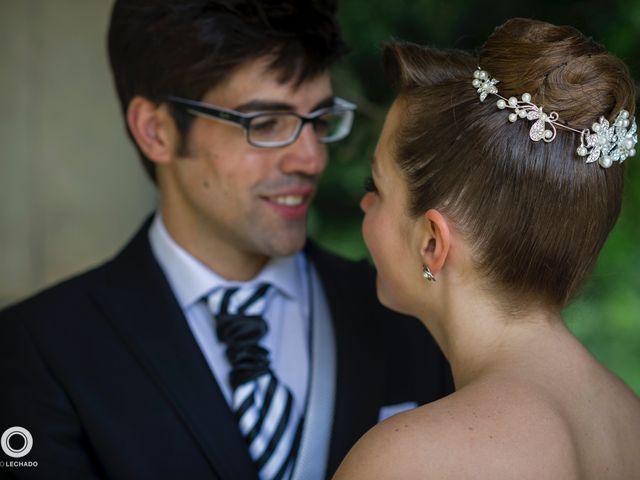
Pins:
x,y
278,129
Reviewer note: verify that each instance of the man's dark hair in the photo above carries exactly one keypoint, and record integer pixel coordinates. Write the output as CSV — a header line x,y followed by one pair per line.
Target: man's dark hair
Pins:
x,y
186,47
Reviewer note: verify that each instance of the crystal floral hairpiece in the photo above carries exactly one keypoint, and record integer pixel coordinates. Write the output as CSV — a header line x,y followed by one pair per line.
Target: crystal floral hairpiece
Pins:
x,y
603,143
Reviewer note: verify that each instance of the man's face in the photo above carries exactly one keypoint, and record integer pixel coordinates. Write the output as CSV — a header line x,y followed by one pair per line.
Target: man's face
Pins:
x,y
241,200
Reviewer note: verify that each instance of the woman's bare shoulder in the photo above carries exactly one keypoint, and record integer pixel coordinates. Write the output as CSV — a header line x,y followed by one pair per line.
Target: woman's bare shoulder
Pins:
x,y
480,432
392,449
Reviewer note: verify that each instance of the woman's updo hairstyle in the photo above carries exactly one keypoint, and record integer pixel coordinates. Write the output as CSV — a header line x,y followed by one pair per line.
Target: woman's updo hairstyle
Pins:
x,y
535,213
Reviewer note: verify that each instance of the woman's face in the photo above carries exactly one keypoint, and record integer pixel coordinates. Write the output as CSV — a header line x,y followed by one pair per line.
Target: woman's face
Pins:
x,y
387,229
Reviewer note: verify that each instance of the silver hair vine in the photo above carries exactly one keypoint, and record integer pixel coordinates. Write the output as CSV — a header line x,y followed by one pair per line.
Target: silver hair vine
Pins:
x,y
603,143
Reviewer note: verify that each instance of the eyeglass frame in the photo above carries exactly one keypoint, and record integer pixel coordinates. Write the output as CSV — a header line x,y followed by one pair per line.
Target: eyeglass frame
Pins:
x,y
243,120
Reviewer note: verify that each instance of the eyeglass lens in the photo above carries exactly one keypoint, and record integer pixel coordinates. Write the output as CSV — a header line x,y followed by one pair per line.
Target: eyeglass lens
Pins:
x,y
282,128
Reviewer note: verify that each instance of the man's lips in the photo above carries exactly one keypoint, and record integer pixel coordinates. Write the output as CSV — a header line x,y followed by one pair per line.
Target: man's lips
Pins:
x,y
292,202
288,200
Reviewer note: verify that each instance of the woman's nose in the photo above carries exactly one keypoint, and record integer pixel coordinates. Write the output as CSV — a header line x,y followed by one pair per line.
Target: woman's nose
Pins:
x,y
365,201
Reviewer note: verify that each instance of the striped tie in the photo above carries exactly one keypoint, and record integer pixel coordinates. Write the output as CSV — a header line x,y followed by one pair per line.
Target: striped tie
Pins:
x,y
263,406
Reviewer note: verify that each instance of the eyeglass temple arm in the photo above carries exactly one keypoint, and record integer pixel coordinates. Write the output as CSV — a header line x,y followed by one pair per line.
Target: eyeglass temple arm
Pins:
x,y
207,110
232,117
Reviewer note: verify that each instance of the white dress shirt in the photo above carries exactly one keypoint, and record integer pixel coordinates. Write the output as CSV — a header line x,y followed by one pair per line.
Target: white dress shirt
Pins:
x,y
287,314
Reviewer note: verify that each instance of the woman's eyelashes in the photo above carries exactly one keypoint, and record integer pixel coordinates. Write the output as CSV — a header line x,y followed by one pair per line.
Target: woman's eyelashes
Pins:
x,y
370,185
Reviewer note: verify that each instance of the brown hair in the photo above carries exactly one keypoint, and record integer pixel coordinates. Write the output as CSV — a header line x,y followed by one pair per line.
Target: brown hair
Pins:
x,y
186,47
536,215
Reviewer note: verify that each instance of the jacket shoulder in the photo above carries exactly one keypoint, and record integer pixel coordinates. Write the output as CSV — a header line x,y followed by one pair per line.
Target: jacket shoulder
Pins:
x,y
65,295
72,294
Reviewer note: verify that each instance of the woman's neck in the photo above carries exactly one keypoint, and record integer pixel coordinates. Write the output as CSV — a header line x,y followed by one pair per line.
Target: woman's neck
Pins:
x,y
478,336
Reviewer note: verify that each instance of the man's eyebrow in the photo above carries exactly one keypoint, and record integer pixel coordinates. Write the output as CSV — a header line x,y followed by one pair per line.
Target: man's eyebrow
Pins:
x,y
271,106
327,102
263,106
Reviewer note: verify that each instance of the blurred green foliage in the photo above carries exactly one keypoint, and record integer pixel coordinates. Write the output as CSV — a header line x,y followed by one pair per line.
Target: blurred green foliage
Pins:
x,y
606,317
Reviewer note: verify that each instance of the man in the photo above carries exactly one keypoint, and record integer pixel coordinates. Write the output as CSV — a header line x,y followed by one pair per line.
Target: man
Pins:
x,y
219,343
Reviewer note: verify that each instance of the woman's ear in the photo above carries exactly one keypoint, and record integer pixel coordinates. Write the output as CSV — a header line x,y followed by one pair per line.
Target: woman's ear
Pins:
x,y
436,240
150,126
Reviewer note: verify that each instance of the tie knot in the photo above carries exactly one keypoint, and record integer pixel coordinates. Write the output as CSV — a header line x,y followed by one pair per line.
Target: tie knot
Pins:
x,y
249,300
240,325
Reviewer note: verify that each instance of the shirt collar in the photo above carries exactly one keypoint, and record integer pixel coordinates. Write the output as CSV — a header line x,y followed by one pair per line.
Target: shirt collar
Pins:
x,y
191,280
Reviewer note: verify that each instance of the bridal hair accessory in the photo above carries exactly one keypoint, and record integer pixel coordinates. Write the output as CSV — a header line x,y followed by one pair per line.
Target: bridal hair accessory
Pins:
x,y
426,273
603,143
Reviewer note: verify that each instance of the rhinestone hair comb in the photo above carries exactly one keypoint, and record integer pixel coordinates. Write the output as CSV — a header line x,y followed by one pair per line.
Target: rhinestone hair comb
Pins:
x,y
603,143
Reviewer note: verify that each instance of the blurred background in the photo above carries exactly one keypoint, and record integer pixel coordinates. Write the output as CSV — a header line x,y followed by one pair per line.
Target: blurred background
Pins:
x,y
72,190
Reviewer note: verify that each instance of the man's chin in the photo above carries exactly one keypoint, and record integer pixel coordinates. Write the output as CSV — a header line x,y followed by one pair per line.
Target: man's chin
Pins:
x,y
287,245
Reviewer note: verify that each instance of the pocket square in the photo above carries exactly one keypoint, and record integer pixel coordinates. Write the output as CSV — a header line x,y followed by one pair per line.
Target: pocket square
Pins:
x,y
389,410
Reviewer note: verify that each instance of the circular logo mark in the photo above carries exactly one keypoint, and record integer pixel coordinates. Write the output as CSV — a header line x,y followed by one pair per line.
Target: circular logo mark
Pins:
x,y
16,442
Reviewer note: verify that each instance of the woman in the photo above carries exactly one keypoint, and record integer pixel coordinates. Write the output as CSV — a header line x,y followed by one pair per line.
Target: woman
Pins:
x,y
502,205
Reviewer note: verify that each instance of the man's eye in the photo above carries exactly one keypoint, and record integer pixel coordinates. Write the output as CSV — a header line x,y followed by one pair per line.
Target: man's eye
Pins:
x,y
370,185
266,124
325,124
322,126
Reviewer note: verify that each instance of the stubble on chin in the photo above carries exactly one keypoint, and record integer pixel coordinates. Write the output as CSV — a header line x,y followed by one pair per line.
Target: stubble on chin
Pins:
x,y
289,240
282,239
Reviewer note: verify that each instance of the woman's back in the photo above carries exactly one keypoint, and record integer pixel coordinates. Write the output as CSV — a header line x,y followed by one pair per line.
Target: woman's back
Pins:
x,y
551,412
603,418
563,414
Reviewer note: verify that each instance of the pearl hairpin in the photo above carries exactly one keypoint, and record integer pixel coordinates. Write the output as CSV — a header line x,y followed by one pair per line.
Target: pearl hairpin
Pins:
x,y
603,143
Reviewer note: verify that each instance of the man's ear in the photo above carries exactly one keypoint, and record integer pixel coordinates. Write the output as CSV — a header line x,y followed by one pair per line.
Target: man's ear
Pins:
x,y
436,240
152,128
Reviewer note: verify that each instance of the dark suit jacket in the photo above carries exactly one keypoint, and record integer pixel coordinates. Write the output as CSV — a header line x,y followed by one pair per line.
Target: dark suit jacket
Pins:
x,y
104,372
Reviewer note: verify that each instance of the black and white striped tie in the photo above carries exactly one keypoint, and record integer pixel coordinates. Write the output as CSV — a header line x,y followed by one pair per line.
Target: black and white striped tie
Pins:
x,y
263,406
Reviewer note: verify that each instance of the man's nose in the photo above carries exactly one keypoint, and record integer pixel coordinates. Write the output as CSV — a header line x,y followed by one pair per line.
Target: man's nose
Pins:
x,y
305,155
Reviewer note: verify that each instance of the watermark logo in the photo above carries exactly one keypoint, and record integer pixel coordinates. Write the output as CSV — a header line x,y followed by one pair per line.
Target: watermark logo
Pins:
x,y
16,442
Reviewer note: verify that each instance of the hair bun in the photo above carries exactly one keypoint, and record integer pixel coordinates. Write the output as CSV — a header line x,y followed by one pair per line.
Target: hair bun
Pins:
x,y
563,70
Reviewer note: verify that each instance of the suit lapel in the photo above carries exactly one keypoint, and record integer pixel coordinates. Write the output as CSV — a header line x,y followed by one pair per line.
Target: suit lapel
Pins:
x,y
359,366
142,308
